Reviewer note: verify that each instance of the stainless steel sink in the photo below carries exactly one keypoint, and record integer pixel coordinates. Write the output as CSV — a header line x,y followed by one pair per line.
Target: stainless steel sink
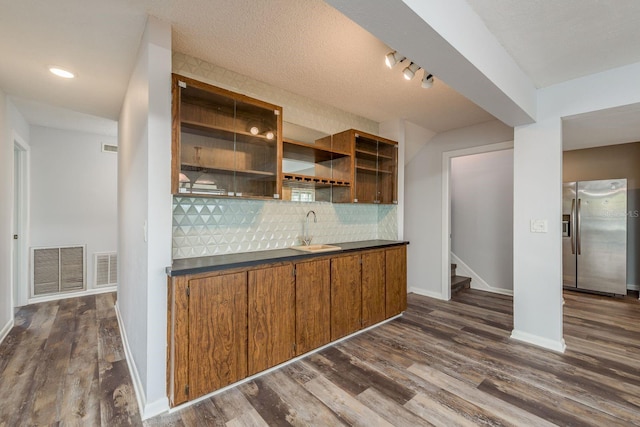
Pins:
x,y
316,248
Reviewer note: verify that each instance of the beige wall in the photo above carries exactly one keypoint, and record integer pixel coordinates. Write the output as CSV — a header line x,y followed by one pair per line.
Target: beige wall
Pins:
x,y
611,162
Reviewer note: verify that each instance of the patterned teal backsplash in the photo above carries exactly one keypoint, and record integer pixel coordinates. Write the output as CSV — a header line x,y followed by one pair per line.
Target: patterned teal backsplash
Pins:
x,y
210,226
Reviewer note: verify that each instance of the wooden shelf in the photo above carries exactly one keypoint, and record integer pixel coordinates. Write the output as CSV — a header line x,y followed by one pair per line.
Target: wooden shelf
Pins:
x,y
372,170
316,180
302,148
198,168
205,129
372,154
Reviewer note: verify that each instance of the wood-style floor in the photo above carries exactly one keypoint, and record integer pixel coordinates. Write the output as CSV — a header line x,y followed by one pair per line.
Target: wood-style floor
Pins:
x,y
442,363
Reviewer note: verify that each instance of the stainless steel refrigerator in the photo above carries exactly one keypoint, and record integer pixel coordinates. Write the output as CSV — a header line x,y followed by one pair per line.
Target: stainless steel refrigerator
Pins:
x,y
594,236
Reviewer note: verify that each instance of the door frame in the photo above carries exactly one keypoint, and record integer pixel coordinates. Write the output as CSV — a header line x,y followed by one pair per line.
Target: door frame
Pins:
x,y
446,205
20,257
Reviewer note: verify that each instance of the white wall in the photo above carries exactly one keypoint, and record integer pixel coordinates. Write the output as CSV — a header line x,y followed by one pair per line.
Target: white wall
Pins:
x,y
423,202
537,266
482,217
144,216
73,192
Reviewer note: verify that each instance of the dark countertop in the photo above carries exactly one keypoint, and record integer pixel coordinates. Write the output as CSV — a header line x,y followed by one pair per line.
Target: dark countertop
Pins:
x,y
181,267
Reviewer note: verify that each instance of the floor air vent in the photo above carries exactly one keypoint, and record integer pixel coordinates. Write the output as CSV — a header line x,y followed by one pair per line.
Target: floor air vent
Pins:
x,y
106,268
59,269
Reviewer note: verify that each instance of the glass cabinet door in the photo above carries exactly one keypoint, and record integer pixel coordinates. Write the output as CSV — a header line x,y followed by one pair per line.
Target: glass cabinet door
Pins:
x,y
256,151
376,170
387,178
228,144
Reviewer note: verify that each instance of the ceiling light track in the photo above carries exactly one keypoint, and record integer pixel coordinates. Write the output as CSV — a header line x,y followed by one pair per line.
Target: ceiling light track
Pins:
x,y
409,72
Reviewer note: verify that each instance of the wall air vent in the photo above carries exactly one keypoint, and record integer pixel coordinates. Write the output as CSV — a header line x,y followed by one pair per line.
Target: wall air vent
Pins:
x,y
106,267
109,148
57,269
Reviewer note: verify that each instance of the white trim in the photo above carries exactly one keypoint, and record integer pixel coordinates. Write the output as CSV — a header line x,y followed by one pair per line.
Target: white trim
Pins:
x,y
557,346
20,298
288,362
424,293
446,204
65,295
147,410
6,329
477,282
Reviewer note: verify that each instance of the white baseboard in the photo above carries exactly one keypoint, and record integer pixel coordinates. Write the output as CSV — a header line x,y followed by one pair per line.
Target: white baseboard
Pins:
x,y
55,297
6,328
477,282
423,292
557,346
147,409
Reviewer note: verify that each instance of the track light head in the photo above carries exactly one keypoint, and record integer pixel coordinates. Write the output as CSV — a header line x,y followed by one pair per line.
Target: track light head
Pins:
x,y
410,71
427,80
392,58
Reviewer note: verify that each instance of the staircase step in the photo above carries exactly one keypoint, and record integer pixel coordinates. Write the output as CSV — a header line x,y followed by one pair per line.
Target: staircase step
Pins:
x,y
459,283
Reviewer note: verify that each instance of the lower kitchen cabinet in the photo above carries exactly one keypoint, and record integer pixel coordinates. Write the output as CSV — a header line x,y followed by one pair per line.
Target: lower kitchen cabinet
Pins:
x,y
229,324
272,317
209,335
373,287
313,299
396,280
346,296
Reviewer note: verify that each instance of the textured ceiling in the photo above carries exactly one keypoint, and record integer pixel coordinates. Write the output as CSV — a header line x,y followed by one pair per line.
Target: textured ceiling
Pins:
x,y
304,46
558,40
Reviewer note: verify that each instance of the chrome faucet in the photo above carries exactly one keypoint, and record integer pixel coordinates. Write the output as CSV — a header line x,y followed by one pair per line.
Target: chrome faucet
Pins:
x,y
306,238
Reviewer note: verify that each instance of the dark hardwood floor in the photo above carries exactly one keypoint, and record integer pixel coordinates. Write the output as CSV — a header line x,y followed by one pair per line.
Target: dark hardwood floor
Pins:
x,y
442,363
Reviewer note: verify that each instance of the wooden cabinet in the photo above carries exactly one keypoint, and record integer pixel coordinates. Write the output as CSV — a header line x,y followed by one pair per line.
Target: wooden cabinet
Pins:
x,y
271,317
224,143
373,287
313,290
226,325
317,171
346,296
208,335
396,280
375,167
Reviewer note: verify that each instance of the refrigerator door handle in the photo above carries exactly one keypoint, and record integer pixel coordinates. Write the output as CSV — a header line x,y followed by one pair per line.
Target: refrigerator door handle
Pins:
x,y
573,226
578,239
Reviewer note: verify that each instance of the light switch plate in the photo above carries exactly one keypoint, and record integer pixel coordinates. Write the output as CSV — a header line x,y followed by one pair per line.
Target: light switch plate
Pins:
x,y
539,226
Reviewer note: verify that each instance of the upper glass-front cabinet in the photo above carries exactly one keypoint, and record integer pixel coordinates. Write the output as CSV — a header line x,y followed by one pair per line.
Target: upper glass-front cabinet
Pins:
x,y
376,169
224,143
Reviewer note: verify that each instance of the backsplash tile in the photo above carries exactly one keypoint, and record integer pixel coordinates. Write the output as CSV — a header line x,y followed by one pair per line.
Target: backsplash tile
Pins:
x,y
210,226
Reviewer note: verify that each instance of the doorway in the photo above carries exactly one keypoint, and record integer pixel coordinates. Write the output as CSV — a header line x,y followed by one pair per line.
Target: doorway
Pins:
x,y
20,282
475,219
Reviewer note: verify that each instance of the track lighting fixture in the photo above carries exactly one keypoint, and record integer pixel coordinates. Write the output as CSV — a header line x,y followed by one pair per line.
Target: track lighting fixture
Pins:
x,y
392,58
427,80
410,71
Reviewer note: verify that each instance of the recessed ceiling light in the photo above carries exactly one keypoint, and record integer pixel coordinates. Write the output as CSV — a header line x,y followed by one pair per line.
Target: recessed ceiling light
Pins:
x,y
61,72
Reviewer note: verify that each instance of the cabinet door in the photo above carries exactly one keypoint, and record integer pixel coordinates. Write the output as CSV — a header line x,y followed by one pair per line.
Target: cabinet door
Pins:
x,y
387,184
224,143
346,296
373,287
217,332
271,317
396,280
313,290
